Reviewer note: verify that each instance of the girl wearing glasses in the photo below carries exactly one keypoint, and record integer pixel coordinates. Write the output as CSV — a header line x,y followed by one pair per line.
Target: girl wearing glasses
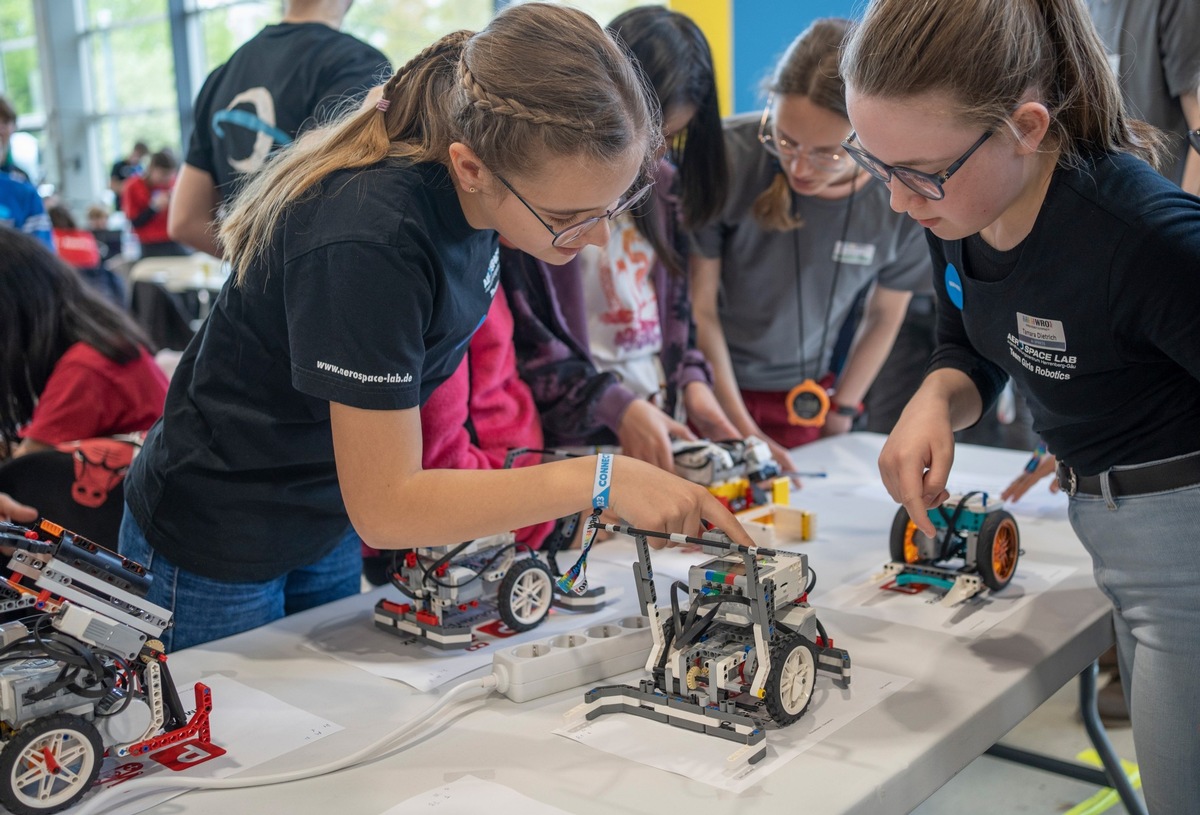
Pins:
x,y
1064,260
776,274
605,340
364,256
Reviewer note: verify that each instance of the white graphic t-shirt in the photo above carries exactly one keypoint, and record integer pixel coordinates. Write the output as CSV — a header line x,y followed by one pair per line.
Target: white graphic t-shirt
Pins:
x,y
623,325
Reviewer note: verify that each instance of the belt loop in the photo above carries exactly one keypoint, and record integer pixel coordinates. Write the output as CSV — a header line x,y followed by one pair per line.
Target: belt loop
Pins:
x,y
1066,479
1106,490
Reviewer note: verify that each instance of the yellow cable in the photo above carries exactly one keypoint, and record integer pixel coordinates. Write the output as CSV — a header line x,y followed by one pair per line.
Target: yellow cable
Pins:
x,y
1106,798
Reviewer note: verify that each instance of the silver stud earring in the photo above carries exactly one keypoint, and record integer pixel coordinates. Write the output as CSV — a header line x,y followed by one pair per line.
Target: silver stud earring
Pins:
x,y
472,189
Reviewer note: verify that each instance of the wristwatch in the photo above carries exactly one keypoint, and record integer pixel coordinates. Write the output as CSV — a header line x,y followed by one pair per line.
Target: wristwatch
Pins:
x,y
852,411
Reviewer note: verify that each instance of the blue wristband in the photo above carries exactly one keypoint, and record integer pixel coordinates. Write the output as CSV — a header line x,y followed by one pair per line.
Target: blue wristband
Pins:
x,y
600,489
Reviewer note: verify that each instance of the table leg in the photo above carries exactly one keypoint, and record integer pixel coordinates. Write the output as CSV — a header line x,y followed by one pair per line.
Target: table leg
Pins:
x,y
1111,776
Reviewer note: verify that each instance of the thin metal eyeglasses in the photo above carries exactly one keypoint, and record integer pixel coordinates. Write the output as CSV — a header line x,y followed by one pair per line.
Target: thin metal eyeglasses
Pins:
x,y
819,158
574,232
927,185
1194,139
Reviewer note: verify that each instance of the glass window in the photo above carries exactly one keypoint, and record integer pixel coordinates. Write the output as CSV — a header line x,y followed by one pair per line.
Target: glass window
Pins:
x,y
225,25
132,71
401,28
21,84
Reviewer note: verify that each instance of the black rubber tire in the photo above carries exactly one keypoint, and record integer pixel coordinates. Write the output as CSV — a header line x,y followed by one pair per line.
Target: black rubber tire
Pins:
x,y
998,530
525,575
899,532
782,703
81,751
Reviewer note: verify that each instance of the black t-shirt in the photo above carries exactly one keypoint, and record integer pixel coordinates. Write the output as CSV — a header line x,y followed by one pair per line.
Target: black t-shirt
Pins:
x,y
367,297
122,170
284,79
1098,320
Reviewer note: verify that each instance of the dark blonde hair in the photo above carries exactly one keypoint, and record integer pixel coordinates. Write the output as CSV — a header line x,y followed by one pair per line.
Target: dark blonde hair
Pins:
x,y
540,79
809,68
987,55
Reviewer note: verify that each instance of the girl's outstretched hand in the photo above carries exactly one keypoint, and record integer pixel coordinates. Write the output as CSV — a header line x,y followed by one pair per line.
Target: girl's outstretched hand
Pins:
x,y
646,497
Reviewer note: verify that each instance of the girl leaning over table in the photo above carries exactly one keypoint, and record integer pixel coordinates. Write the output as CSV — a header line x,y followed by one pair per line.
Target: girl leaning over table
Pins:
x,y
1062,259
606,341
365,255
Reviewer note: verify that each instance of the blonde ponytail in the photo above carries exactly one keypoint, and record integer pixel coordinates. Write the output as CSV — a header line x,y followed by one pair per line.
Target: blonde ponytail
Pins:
x,y
773,207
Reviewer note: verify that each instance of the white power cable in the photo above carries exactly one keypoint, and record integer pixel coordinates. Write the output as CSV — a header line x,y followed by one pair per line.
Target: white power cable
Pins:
x,y
399,738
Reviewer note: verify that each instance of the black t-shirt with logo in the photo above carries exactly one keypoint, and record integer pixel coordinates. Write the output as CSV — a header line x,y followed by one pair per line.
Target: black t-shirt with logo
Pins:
x,y
1098,319
367,296
283,80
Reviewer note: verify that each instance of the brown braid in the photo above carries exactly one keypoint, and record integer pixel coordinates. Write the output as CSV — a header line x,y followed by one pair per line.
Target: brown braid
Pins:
x,y
452,42
482,100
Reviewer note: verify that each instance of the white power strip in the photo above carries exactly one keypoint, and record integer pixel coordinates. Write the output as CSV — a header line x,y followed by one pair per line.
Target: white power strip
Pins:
x,y
535,669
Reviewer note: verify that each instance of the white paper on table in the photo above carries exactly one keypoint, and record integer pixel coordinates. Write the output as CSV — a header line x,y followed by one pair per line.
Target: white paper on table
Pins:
x,y
865,596
469,795
252,727
354,639
706,758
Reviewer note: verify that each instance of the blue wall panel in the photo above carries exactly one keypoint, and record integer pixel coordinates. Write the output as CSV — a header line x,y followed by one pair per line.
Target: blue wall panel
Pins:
x,y
762,30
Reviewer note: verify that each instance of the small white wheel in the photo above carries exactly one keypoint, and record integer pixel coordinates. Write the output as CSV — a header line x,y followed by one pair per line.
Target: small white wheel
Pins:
x,y
49,764
790,682
526,594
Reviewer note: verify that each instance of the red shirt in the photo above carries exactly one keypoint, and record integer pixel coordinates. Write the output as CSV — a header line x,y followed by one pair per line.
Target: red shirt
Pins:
x,y
135,200
89,395
77,247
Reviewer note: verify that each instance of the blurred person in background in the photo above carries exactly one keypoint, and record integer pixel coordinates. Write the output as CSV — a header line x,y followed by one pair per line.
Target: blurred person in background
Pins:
x,y
145,200
289,77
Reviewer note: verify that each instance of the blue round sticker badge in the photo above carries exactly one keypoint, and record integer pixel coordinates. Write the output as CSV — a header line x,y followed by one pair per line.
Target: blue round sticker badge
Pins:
x,y
954,287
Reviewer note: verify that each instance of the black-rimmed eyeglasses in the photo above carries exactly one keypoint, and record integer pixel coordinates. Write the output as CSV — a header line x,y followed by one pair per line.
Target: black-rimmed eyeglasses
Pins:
x,y
819,158
575,232
927,185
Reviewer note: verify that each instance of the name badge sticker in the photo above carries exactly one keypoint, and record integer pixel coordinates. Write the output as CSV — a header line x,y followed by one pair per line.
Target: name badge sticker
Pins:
x,y
858,254
1040,332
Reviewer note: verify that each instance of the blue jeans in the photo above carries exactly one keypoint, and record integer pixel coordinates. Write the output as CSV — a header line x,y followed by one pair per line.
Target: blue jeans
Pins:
x,y
1146,554
207,609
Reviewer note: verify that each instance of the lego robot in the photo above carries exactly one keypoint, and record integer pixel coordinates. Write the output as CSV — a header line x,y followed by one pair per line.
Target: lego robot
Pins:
x,y
449,590
82,673
744,653
741,473
967,527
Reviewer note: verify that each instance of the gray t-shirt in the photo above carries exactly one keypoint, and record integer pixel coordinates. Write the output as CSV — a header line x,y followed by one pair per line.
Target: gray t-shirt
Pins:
x,y
760,309
1154,47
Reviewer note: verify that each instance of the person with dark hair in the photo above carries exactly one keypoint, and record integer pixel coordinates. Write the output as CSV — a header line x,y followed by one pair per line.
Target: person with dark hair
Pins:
x,y
1065,261
81,251
145,200
125,168
606,340
777,273
364,256
285,79
72,366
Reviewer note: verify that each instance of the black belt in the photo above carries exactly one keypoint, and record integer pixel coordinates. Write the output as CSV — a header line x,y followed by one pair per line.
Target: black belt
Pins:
x,y
1167,475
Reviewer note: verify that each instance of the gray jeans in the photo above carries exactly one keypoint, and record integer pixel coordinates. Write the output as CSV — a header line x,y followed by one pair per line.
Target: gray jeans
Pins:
x,y
1146,553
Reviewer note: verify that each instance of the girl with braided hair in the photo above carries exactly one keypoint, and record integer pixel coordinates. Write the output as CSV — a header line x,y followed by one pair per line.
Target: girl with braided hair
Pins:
x,y
364,257
606,340
1062,259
